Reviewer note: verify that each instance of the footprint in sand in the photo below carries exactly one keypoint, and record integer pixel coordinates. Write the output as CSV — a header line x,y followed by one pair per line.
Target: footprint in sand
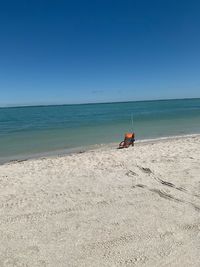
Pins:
x,y
131,173
145,170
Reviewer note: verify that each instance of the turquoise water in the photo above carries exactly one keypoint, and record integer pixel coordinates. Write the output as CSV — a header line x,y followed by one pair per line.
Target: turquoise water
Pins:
x,y
35,130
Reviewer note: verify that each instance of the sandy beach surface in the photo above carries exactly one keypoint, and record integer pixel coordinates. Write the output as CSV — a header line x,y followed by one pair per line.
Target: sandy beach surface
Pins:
x,y
106,207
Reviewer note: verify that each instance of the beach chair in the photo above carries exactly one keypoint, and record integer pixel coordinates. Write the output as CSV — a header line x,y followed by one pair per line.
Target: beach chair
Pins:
x,y
129,139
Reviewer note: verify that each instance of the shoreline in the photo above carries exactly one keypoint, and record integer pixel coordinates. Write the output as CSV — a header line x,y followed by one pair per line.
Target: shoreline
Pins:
x,y
83,149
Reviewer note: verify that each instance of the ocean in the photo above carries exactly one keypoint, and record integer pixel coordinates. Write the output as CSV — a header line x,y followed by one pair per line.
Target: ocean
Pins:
x,y
29,131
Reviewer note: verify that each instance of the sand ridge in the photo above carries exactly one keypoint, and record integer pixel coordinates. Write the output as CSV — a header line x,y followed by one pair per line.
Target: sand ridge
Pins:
x,y
133,207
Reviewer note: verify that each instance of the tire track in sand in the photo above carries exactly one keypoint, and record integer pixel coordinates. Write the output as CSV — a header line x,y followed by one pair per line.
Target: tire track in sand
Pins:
x,y
42,215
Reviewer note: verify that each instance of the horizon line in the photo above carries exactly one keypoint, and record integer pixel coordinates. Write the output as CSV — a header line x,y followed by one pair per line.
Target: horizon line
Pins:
x,y
93,103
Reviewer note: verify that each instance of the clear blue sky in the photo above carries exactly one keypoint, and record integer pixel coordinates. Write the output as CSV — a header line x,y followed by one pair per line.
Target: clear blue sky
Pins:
x,y
98,51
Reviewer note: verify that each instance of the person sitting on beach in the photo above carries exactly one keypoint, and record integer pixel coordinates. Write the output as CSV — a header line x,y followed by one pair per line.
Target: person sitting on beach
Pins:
x,y
129,139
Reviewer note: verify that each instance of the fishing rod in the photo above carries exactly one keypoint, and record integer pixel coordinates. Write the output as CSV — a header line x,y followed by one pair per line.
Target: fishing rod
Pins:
x,y
132,120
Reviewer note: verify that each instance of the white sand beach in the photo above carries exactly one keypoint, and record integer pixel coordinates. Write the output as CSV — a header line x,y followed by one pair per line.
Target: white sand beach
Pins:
x,y
133,207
